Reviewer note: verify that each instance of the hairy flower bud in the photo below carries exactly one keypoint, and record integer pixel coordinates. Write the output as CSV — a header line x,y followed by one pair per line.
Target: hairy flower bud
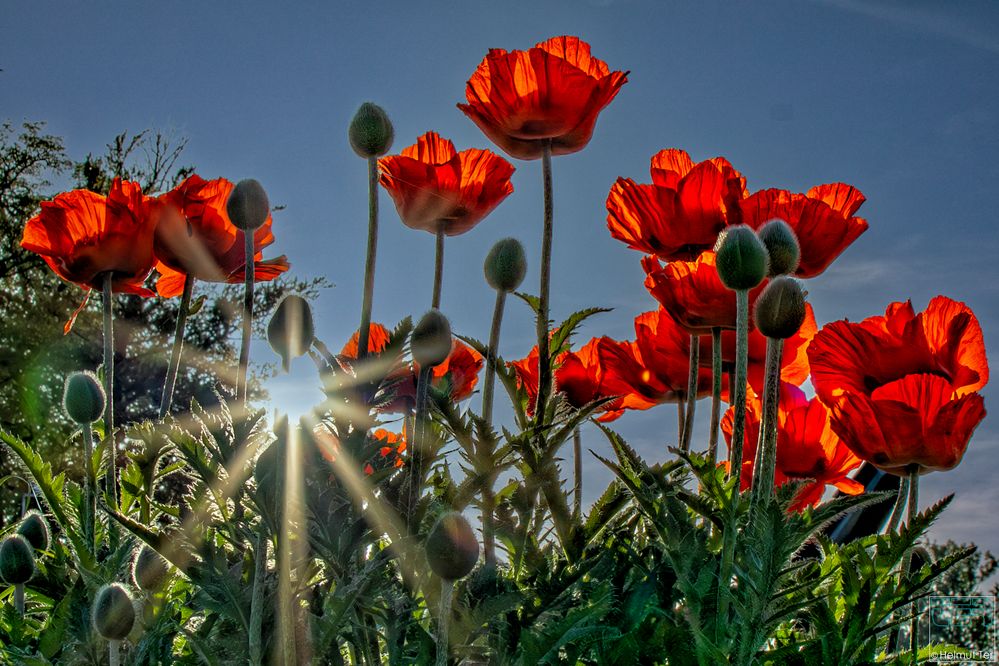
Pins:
x,y
452,549
782,247
740,258
113,613
505,265
17,560
84,398
35,529
149,569
371,131
431,339
290,331
780,308
248,206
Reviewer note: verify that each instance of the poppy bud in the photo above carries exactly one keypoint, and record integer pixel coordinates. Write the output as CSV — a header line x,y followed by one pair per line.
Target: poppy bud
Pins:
x,y
371,131
431,339
114,613
505,265
780,308
740,258
84,398
149,569
291,331
35,529
782,247
248,206
452,549
17,560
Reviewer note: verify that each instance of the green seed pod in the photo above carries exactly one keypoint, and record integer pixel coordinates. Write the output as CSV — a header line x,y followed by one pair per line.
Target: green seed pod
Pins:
x,y
371,131
149,569
83,398
431,339
741,258
505,265
780,308
17,560
290,331
35,529
113,613
782,247
452,549
248,206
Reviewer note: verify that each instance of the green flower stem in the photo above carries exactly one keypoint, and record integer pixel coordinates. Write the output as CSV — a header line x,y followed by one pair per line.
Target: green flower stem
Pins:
x,y
488,496
256,649
735,460
577,468
544,361
716,388
692,375
765,461
89,488
896,514
739,399
417,459
178,347
369,262
913,510
112,475
114,658
19,599
242,392
438,267
447,591
681,419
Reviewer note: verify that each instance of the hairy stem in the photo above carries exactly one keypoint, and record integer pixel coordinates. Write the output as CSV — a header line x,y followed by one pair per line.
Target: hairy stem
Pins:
x,y
369,262
716,389
896,515
447,591
577,468
907,565
178,347
114,658
544,362
418,458
438,267
19,599
244,350
89,488
692,374
488,496
112,475
256,645
765,461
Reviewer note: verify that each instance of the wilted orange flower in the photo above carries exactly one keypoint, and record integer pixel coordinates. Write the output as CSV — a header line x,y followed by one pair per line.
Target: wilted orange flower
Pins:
x,y
553,91
794,360
807,447
693,294
822,218
195,236
434,185
378,339
681,213
580,376
83,236
902,387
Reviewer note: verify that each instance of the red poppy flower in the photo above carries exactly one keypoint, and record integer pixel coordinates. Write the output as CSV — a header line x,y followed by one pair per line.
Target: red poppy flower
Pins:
x,y
902,387
581,377
392,446
433,185
378,339
822,218
458,374
194,236
553,91
681,213
83,236
807,447
693,294
794,360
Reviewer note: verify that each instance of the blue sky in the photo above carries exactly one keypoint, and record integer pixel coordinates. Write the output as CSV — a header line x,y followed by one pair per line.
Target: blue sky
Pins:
x,y
898,99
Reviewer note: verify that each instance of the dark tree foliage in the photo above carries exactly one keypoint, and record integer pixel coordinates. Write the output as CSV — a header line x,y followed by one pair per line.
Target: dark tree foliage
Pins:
x,y
35,356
